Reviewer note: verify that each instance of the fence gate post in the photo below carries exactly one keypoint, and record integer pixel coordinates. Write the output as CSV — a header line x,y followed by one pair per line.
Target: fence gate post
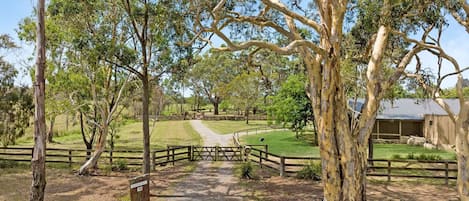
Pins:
x,y
282,166
446,173
70,158
389,170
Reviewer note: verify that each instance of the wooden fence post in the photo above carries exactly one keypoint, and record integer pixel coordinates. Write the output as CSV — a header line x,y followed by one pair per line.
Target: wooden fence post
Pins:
x,y
389,170
69,158
167,155
282,166
446,173
260,158
266,151
173,155
110,157
189,155
216,153
154,160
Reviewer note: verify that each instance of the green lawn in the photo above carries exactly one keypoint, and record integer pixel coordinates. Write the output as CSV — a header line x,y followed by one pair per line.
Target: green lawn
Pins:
x,y
285,143
228,127
130,136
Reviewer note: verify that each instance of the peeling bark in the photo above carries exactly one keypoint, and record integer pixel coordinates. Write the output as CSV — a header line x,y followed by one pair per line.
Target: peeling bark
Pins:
x,y
38,160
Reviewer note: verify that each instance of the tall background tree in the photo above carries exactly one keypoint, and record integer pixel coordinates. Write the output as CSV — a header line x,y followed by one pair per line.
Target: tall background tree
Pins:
x,y
315,32
459,10
16,102
212,73
38,161
291,105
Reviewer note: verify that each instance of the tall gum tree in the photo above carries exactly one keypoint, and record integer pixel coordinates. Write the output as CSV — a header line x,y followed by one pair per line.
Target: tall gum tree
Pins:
x,y
343,143
38,161
459,10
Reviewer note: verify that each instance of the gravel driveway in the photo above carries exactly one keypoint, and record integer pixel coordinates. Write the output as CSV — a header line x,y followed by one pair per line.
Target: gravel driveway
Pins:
x,y
210,180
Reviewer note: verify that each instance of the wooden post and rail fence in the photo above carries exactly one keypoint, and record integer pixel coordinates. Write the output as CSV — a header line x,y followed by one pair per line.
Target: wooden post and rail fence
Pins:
x,y
284,165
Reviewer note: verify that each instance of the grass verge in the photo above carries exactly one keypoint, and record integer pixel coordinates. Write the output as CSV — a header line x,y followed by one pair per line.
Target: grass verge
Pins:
x,y
285,143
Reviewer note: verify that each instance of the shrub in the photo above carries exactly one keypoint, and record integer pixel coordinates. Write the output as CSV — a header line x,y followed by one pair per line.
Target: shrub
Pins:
x,y
246,170
429,157
311,171
8,164
411,155
120,165
396,156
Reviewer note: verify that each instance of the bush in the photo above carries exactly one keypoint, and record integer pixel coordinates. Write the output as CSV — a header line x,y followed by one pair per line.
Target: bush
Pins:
x,y
120,165
247,170
429,157
411,155
311,171
396,156
8,163
424,157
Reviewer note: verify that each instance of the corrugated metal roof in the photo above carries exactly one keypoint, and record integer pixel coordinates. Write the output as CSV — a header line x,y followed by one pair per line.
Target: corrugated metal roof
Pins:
x,y
411,109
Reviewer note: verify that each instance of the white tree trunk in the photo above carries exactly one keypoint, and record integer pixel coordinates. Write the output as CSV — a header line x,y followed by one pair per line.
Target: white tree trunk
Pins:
x,y
38,164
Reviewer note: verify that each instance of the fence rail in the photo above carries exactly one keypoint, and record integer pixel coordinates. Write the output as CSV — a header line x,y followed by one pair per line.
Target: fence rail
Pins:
x,y
287,166
79,156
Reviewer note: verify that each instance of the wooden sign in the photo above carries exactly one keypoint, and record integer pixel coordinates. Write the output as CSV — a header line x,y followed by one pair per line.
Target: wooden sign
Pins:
x,y
140,188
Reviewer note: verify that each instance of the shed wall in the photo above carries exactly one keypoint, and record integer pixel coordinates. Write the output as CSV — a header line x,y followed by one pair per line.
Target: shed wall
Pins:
x,y
439,129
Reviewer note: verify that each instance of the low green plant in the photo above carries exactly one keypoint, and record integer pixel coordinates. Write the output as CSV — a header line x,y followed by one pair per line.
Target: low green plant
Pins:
x,y
411,155
396,156
429,157
8,164
120,164
311,171
107,169
247,170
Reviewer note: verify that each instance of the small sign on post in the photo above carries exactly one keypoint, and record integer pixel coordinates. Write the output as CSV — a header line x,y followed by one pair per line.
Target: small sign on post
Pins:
x,y
140,188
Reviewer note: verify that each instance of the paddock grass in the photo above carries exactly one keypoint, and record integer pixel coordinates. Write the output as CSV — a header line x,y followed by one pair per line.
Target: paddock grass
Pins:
x,y
129,136
228,127
285,143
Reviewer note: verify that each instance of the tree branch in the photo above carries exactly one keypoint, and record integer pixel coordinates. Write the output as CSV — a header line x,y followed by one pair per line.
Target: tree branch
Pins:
x,y
130,69
276,4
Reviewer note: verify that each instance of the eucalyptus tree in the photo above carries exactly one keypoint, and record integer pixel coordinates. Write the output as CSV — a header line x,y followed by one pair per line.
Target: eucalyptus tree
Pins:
x,y
38,161
151,25
211,75
56,92
459,10
290,105
15,102
244,92
97,34
83,37
315,31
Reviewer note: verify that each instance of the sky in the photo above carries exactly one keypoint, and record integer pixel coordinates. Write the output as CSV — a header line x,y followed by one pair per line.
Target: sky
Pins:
x,y
11,13
455,41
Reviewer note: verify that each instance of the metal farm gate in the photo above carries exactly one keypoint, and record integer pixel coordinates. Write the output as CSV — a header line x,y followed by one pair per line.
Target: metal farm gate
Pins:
x,y
216,153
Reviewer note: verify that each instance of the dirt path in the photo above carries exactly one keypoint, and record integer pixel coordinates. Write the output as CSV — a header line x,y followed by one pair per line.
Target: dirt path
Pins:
x,y
210,180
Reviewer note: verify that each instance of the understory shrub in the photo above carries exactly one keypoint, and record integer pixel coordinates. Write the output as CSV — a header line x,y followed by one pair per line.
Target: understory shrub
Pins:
x,y
120,165
311,171
8,164
246,170
429,157
424,157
